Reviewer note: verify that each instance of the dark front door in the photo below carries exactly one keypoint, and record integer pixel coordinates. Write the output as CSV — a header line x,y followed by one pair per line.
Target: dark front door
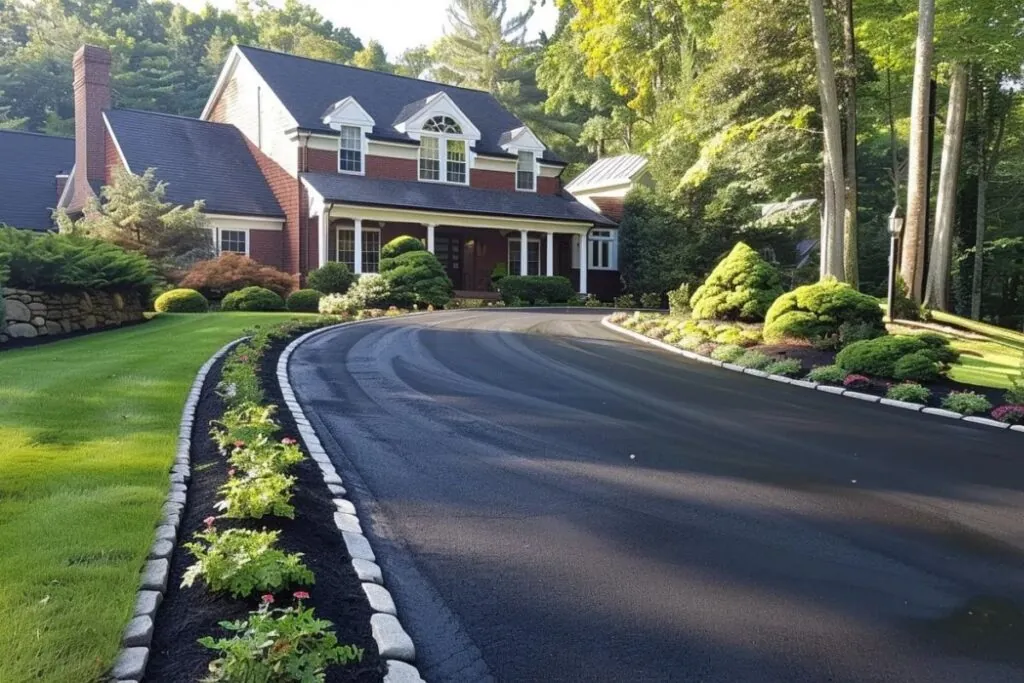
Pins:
x,y
448,249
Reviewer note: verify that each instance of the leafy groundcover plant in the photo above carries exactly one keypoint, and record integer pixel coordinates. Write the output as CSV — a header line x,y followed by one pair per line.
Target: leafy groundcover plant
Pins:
x,y
1010,414
788,367
754,360
255,497
827,374
966,403
262,455
245,423
909,392
288,645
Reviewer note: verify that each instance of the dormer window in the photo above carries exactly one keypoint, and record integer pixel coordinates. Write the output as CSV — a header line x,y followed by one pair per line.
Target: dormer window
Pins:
x,y
440,133
350,150
526,172
442,124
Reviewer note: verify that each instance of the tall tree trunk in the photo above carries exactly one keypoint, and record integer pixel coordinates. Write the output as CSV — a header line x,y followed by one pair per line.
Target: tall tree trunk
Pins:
x,y
937,291
917,181
832,227
850,264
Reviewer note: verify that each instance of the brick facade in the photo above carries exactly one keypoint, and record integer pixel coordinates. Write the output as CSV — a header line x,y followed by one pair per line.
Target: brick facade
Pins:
x,y
492,180
91,67
391,168
286,190
267,246
546,185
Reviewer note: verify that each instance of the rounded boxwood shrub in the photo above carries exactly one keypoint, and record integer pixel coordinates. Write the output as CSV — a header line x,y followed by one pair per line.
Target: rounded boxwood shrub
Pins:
x,y
402,244
181,301
741,287
304,301
818,311
909,392
878,357
919,366
330,278
252,299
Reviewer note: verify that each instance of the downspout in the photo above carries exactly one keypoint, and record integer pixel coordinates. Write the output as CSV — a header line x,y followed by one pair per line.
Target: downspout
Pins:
x,y
303,228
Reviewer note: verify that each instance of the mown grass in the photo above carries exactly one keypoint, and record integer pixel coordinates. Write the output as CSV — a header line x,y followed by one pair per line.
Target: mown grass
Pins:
x,y
985,363
88,429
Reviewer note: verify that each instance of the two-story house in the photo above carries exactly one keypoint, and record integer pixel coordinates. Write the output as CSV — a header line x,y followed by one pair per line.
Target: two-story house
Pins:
x,y
301,162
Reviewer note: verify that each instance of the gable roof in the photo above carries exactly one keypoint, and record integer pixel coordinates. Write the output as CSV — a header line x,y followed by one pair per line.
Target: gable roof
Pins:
x,y
410,194
29,164
197,159
307,87
609,171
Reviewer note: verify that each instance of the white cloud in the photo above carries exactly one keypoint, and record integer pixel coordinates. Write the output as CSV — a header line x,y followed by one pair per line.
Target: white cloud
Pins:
x,y
399,24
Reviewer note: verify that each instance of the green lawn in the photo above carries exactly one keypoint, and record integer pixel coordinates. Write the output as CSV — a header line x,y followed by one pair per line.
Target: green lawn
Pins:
x,y
88,428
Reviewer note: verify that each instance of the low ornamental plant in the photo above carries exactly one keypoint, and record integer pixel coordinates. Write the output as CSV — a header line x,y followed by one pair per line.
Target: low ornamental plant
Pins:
x,y
827,374
243,424
624,301
728,353
909,392
755,360
254,497
618,318
288,645
1011,414
650,300
966,403
787,367
261,455
856,382
243,562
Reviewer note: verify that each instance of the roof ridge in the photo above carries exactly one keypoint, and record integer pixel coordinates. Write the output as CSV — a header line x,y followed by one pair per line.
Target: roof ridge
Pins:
x,y
359,68
172,116
38,135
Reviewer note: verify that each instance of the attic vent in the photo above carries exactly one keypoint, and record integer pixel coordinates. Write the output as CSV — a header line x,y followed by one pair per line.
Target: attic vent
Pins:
x,y
442,124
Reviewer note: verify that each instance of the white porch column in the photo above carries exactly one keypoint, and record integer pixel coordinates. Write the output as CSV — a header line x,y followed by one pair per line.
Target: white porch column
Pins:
x,y
430,238
583,263
358,246
524,250
551,254
325,220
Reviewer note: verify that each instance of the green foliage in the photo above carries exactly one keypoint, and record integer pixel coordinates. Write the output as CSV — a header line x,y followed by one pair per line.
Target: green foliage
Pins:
x,y
728,353
679,299
244,422
304,301
243,562
181,301
230,272
56,262
741,287
787,367
252,299
369,291
624,301
260,455
650,300
531,289
827,374
414,275
331,278
753,359
1015,394
254,497
904,308
878,357
919,366
966,403
909,392
285,645
820,310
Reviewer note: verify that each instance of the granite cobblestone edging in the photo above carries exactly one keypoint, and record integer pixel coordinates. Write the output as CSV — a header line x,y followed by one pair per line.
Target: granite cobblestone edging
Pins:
x,y
806,384
395,646
130,665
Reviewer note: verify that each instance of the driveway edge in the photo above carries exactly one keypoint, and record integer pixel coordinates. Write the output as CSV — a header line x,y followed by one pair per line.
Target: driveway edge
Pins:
x,y
826,388
393,642
131,661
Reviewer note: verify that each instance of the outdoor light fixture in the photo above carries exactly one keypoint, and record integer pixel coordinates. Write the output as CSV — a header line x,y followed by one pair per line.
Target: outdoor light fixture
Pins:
x,y
896,221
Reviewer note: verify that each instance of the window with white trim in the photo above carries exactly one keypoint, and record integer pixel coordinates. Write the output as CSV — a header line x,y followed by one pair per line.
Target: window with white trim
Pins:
x,y
443,158
532,256
602,250
345,249
526,172
443,124
455,164
234,241
350,149
430,158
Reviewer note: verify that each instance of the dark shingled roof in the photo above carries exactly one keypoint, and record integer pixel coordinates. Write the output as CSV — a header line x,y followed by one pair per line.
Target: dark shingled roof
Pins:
x,y
197,159
308,87
29,164
406,194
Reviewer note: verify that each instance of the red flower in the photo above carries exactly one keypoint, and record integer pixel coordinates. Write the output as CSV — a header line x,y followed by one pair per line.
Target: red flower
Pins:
x,y
301,595
209,521
267,599
288,441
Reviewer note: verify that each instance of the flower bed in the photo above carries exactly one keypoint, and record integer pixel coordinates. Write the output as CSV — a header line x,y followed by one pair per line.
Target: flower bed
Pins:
x,y
260,577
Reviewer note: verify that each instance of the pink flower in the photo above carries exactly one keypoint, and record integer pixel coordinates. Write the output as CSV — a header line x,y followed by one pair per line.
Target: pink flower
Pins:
x,y
239,444
209,521
267,599
1011,414
288,441
301,595
231,472
856,382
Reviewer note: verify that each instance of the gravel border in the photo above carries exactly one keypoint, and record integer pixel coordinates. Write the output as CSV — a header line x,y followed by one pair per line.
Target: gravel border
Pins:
x,y
395,646
826,388
130,665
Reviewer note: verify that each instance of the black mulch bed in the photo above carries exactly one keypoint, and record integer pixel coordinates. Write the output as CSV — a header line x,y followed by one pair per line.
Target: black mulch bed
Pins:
x,y
190,613
23,343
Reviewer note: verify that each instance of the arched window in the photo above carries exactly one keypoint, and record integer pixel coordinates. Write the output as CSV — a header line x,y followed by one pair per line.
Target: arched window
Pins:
x,y
442,124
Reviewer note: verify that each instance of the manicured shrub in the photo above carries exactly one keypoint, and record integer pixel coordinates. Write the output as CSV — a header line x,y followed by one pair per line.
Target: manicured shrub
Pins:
x,y
414,275
650,300
181,301
369,291
304,301
730,335
878,357
1010,414
741,287
402,244
909,392
624,301
529,289
966,403
252,299
230,272
857,382
679,299
939,347
331,278
754,360
827,374
817,311
787,367
728,353
243,562
919,366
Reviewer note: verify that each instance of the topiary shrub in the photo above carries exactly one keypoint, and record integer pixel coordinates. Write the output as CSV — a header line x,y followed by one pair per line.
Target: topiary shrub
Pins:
x,y
741,287
966,403
304,301
787,367
231,272
181,301
530,289
330,278
818,311
370,291
909,392
878,357
413,274
919,366
728,353
252,299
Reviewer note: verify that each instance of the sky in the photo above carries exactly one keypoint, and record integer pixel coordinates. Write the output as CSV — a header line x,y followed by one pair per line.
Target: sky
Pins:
x,y
399,24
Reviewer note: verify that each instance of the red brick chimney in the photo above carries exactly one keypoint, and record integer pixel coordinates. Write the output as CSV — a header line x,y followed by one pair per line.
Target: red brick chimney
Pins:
x,y
91,66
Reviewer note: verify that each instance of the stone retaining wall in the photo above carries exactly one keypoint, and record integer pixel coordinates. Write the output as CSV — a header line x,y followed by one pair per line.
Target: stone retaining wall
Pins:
x,y
31,313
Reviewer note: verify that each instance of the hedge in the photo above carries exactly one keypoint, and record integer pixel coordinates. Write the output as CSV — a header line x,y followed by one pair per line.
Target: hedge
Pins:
x,y
331,278
533,289
252,299
897,356
304,301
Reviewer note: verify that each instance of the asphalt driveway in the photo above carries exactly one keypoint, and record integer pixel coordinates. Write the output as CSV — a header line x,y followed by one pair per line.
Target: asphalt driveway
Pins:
x,y
553,502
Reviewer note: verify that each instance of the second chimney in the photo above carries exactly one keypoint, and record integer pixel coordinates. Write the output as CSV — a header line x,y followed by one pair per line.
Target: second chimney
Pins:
x,y
91,66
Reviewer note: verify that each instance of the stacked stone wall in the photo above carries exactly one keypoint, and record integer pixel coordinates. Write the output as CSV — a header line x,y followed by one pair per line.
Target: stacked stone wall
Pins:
x,y
30,313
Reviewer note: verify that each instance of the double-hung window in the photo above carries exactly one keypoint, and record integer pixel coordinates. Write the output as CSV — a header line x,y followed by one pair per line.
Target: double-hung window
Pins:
x,y
234,241
345,251
456,162
443,152
526,175
602,250
430,158
532,256
350,150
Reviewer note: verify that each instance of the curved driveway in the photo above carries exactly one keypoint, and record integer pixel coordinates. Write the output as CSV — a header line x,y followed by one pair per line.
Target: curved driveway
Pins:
x,y
552,502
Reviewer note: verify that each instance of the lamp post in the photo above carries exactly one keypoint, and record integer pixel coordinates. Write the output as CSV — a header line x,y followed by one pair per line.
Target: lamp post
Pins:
x,y
896,221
